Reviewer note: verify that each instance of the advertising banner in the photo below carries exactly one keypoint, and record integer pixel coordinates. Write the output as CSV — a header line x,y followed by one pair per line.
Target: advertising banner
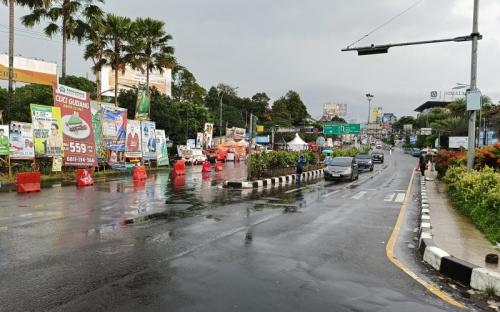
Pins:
x,y
47,130
148,139
161,148
458,142
208,133
133,145
21,140
78,136
4,140
142,106
95,110
199,140
29,70
57,163
236,134
114,127
331,110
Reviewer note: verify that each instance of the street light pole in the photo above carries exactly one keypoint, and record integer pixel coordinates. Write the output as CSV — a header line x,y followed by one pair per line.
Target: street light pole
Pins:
x,y
220,117
473,86
369,97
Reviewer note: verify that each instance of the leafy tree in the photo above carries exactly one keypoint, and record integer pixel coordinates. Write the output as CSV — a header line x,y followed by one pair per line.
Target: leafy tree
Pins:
x,y
94,50
80,83
212,99
260,105
405,120
185,87
64,17
227,90
150,47
26,95
117,53
292,105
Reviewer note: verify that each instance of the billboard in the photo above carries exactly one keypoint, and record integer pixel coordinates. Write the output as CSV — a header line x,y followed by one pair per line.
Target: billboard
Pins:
x,y
47,130
78,136
4,140
132,79
95,110
142,106
331,110
133,145
161,148
458,142
376,115
21,140
208,133
114,127
199,139
236,134
148,138
29,70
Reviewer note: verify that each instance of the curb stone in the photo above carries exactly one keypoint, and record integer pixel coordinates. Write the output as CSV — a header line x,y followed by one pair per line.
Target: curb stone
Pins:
x,y
275,181
466,273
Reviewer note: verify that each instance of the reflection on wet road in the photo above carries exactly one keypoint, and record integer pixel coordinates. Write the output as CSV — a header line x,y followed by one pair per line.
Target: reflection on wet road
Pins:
x,y
316,246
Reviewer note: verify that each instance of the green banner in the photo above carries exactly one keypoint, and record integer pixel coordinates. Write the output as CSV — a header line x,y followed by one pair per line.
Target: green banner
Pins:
x,y
142,106
339,129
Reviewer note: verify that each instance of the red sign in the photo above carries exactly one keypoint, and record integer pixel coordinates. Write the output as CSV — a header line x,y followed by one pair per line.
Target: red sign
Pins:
x,y
78,136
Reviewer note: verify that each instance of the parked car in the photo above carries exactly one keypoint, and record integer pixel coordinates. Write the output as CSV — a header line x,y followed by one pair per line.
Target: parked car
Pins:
x,y
378,155
339,168
415,152
364,161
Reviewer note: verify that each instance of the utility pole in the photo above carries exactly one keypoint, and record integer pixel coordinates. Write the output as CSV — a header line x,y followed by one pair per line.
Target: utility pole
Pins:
x,y
11,60
220,117
473,86
369,97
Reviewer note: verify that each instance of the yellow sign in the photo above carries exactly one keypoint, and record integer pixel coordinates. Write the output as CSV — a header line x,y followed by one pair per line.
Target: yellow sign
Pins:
x,y
260,128
29,70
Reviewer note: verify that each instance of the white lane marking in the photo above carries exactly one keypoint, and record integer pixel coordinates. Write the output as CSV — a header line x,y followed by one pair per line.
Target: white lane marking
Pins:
x,y
329,194
389,197
295,190
359,195
400,198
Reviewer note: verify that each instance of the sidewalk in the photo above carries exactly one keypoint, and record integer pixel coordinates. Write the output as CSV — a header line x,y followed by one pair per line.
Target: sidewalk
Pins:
x,y
454,232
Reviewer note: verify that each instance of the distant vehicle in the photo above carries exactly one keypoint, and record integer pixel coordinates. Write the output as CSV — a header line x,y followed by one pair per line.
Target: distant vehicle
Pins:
x,y
378,155
415,152
339,168
197,157
364,161
378,146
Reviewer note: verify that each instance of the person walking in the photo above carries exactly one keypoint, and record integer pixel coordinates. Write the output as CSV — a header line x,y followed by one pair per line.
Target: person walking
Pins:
x,y
422,164
300,167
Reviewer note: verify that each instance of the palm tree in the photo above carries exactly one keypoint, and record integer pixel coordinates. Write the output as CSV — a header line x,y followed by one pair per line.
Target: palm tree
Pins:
x,y
117,53
96,38
11,4
151,50
66,13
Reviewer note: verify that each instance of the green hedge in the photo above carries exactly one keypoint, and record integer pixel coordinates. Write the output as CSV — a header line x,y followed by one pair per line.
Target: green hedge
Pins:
x,y
477,195
258,164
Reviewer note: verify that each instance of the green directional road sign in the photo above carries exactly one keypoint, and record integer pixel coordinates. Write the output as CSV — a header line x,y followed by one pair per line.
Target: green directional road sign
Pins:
x,y
340,129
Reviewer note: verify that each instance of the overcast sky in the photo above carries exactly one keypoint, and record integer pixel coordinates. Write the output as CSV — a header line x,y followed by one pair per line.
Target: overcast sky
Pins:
x,y
275,46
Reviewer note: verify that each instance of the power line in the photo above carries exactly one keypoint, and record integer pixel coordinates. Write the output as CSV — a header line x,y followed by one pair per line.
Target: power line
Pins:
x,y
386,22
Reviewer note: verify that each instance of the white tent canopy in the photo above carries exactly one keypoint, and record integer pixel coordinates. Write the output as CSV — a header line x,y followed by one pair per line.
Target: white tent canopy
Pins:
x,y
297,144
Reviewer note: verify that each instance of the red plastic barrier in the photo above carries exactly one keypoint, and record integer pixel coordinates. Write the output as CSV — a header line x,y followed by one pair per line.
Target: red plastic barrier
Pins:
x,y
140,173
179,168
28,182
218,166
221,156
206,167
84,177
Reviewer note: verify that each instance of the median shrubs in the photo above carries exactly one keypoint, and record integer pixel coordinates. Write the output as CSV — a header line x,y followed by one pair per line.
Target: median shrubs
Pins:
x,y
477,195
266,165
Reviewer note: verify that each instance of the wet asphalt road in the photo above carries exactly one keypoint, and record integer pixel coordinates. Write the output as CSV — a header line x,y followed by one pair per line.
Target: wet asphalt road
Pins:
x,y
316,247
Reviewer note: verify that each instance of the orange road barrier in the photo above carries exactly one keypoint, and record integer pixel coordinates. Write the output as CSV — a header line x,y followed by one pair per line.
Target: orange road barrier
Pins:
x,y
28,182
84,177
140,173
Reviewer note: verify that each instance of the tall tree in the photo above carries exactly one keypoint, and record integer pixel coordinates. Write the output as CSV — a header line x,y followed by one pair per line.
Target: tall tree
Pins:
x,y
185,87
11,4
117,52
291,105
95,35
150,45
64,18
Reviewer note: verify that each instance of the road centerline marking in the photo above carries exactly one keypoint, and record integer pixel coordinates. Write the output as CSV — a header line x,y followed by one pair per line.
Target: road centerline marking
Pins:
x,y
359,195
400,198
389,197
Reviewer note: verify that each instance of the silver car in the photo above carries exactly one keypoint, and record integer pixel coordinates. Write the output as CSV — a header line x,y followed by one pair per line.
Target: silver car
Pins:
x,y
340,168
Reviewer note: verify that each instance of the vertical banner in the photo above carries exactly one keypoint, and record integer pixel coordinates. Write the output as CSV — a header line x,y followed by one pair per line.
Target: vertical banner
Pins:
x,y
161,148
142,105
114,127
208,134
47,130
78,136
57,164
148,140
21,140
199,140
95,110
133,145
4,140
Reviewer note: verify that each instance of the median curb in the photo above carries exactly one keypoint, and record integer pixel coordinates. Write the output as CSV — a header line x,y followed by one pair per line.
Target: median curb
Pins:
x,y
275,181
465,273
